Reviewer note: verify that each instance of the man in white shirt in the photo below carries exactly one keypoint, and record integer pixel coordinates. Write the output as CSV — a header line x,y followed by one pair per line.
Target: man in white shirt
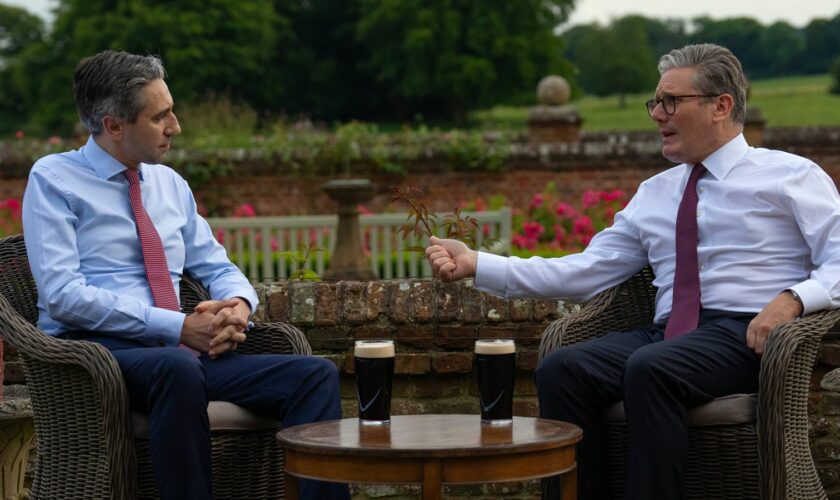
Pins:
x,y
767,226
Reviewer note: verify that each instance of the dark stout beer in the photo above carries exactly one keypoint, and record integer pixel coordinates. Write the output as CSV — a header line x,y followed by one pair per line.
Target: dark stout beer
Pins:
x,y
374,366
495,363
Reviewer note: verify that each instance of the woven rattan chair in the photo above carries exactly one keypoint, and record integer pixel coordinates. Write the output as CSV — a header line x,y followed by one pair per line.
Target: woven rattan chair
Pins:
x,y
765,456
89,444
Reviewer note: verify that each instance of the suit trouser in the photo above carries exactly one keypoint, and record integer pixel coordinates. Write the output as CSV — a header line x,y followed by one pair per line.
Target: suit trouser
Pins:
x,y
658,381
173,387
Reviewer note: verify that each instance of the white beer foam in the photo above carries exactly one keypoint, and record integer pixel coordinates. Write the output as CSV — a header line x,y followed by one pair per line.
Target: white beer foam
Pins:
x,y
497,346
374,349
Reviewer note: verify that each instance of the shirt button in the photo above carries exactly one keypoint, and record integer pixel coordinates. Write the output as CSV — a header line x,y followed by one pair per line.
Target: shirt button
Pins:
x,y
698,213
700,189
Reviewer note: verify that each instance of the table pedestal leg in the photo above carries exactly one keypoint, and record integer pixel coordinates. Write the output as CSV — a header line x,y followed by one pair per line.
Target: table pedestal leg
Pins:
x,y
432,486
291,483
569,485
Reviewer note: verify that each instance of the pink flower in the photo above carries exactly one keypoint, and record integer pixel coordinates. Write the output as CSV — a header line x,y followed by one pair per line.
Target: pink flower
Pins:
x,y
19,134
589,199
612,195
563,209
13,204
609,213
537,201
245,210
583,225
220,236
559,233
364,210
274,245
54,139
533,229
480,204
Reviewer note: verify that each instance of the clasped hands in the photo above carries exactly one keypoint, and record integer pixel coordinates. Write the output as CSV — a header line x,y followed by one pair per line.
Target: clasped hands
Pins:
x,y
216,326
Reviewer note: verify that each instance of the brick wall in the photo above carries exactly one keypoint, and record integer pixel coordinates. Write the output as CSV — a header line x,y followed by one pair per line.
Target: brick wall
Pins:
x,y
434,326
604,160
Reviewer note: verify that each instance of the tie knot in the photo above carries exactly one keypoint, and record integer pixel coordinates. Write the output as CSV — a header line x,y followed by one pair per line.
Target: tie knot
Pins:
x,y
132,175
696,173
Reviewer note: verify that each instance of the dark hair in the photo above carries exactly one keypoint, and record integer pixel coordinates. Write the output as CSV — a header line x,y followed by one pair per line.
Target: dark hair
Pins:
x,y
718,72
111,83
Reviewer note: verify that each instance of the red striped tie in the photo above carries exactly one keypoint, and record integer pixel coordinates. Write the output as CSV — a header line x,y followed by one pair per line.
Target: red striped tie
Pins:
x,y
154,258
685,308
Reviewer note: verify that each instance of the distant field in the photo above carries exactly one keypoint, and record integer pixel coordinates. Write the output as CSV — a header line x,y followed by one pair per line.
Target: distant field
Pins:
x,y
790,101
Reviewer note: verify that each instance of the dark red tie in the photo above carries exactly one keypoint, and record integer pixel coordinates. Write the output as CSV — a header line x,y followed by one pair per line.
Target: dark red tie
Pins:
x,y
685,309
154,258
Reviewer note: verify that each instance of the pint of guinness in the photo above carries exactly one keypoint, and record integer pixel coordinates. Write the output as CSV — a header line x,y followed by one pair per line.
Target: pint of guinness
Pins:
x,y
374,366
495,363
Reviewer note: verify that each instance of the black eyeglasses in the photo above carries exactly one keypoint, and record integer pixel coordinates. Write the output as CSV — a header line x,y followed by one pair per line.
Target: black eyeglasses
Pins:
x,y
669,102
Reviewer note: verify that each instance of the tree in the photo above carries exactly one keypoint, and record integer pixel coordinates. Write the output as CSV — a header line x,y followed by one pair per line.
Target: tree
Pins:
x,y
445,57
19,31
617,60
835,74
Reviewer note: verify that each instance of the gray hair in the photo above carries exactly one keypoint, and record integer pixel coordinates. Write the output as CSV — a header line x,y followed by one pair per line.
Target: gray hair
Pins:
x,y
718,72
111,83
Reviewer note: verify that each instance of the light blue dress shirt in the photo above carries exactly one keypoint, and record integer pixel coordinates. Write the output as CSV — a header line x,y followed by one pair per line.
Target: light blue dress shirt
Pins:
x,y
85,254
767,221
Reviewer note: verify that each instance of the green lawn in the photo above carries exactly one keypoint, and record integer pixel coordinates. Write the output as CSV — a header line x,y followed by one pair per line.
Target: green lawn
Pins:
x,y
790,101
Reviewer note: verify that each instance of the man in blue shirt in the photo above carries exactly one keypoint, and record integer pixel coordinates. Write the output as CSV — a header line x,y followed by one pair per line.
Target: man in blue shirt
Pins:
x,y
88,262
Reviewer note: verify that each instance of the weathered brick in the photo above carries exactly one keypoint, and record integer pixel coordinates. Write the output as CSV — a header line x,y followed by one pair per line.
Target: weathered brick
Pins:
x,y
408,406
521,309
400,301
262,296
303,303
353,302
526,359
497,308
448,302
830,354
412,364
13,372
452,362
825,449
547,309
415,337
496,332
472,301
456,337
430,386
524,384
337,360
326,304
814,402
530,331
526,407
377,299
326,345
423,298
372,332
830,403
277,303
820,426
829,475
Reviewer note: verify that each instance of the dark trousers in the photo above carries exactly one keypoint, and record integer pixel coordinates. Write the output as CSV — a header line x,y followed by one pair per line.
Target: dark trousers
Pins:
x,y
173,386
658,381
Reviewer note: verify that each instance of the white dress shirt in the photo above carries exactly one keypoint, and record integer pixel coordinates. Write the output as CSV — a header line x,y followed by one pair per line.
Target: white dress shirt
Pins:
x,y
85,255
767,221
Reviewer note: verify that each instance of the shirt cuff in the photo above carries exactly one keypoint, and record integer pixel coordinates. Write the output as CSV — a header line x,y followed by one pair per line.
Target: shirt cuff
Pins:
x,y
813,296
163,327
491,273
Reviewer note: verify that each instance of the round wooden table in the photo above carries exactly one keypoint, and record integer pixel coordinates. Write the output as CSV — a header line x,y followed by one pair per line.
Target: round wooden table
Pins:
x,y
432,450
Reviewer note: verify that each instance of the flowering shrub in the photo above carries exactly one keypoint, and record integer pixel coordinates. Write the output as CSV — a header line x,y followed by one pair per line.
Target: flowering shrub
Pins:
x,y
552,225
10,222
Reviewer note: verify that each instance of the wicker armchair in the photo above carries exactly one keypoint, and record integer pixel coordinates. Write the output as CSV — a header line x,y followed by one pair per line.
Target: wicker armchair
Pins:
x,y
765,457
89,444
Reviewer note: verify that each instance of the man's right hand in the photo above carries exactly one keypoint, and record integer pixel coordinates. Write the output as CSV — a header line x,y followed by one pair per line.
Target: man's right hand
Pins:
x,y
451,260
213,333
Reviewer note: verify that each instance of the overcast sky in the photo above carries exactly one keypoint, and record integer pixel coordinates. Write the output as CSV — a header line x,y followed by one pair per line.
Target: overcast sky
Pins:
x,y
797,13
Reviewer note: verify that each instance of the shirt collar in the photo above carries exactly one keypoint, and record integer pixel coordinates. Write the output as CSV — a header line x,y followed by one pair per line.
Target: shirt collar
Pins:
x,y
105,165
722,161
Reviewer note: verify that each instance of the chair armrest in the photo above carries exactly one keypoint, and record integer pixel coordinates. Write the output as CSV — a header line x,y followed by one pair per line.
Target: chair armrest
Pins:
x,y
784,382
620,308
275,338
80,406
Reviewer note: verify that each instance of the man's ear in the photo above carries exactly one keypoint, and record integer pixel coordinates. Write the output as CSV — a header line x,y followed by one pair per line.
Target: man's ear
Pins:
x,y
724,104
112,127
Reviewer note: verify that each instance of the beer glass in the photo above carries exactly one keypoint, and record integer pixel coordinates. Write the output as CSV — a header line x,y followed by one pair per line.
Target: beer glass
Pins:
x,y
374,366
495,364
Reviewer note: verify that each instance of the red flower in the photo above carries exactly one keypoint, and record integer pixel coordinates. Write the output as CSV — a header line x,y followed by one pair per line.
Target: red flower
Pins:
x,y
537,200
19,134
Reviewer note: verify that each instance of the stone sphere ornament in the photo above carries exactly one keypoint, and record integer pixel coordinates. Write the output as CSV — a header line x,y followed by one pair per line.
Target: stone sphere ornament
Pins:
x,y
553,90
